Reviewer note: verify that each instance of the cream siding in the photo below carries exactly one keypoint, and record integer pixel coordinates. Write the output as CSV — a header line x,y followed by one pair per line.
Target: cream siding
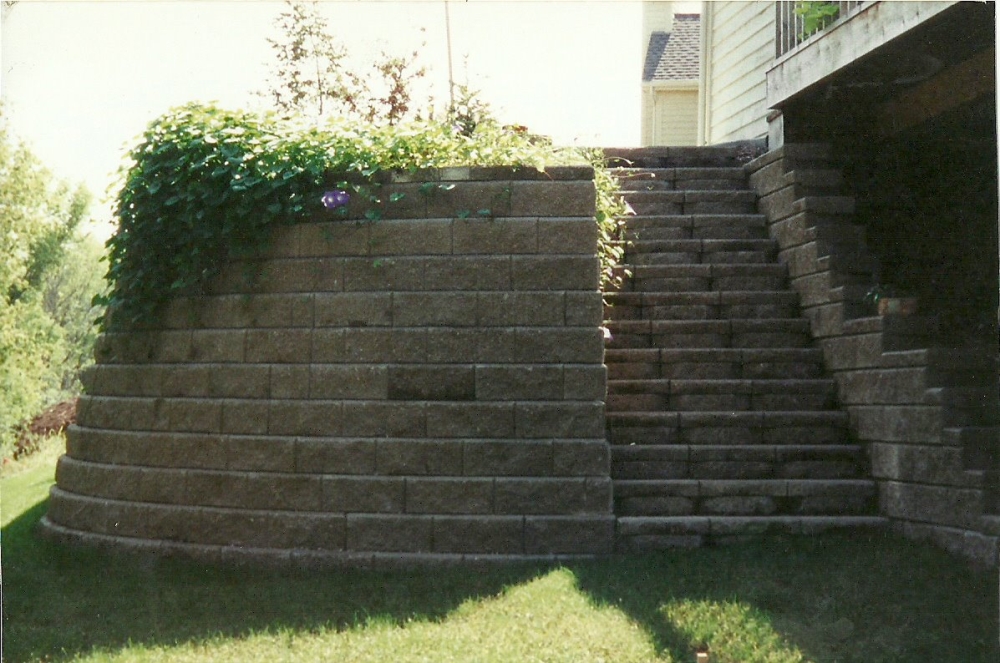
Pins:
x,y
738,49
675,120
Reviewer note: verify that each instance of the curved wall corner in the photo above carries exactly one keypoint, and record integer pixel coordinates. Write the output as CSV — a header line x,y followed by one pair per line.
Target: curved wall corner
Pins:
x,y
426,387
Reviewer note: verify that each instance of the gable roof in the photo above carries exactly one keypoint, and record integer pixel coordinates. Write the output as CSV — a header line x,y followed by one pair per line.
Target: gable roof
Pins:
x,y
674,56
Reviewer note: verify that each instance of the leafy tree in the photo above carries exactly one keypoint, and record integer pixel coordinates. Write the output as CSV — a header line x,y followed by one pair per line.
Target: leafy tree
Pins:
x,y
41,340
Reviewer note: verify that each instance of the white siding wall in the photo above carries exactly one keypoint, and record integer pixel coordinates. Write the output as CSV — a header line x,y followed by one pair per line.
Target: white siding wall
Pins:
x,y
739,50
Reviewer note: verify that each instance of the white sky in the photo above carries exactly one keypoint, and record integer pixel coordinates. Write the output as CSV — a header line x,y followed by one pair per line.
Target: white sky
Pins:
x,y
80,80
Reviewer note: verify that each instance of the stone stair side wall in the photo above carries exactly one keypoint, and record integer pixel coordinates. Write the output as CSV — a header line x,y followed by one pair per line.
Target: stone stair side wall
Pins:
x,y
429,386
926,415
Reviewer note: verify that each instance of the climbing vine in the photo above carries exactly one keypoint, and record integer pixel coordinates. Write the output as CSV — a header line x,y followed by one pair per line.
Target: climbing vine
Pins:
x,y
205,185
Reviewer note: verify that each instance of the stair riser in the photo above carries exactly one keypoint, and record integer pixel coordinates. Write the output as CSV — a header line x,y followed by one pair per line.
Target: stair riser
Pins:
x,y
712,371
641,184
725,435
677,341
745,505
706,284
698,258
735,470
716,402
692,207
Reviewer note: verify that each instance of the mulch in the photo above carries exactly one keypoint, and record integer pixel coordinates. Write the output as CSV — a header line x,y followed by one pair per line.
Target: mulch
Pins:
x,y
50,422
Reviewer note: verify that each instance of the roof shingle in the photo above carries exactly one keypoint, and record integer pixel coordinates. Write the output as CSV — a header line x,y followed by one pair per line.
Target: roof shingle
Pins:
x,y
674,56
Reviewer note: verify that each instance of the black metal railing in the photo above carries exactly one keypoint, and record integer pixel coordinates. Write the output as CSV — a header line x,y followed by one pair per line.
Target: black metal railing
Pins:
x,y
790,25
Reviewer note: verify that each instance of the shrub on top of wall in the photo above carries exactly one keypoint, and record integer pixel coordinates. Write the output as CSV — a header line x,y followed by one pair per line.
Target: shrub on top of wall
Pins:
x,y
205,185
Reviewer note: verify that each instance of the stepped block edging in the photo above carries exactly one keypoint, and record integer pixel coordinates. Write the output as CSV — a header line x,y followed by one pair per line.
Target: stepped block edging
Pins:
x,y
421,389
900,391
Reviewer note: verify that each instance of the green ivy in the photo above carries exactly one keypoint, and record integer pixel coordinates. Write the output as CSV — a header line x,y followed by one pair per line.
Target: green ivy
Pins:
x,y
206,185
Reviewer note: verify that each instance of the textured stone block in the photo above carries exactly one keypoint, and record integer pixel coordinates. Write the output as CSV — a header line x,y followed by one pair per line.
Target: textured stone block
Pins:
x,y
484,200
585,383
555,272
330,275
375,533
500,309
236,381
437,309
518,382
289,382
495,236
483,535
571,235
288,276
576,345
581,458
393,419
348,381
913,424
931,504
476,273
172,347
383,274
354,310
390,237
334,456
363,494
508,458
449,496
244,417
547,199
160,486
336,238
918,464
315,418
279,346
483,420
259,453
553,496
565,420
557,536
432,383
419,457
584,309
188,415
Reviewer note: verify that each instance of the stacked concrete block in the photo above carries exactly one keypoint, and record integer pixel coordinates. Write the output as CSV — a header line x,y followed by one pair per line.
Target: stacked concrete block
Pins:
x,y
928,416
428,386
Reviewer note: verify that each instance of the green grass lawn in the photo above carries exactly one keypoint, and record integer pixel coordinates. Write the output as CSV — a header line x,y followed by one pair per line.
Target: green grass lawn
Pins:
x,y
833,598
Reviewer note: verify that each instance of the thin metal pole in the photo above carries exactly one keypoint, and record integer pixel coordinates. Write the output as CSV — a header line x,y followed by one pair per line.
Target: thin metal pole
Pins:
x,y
451,72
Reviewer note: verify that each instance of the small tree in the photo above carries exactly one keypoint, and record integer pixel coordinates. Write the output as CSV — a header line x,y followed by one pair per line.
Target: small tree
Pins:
x,y
310,75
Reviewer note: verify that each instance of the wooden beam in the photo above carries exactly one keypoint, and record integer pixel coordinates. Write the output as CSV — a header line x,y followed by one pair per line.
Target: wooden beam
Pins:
x,y
948,89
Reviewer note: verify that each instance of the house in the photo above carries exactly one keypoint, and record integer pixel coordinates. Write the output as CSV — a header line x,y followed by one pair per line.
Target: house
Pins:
x,y
670,76
882,179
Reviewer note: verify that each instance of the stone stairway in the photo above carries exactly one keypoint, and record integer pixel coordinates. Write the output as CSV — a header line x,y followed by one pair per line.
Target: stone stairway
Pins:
x,y
721,420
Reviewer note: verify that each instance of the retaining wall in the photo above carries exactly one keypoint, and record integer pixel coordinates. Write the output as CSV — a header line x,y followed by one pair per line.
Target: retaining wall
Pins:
x,y
422,387
927,415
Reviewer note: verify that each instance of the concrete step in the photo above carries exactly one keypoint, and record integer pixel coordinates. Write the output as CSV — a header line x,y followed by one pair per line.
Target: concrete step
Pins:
x,y
698,179
763,461
638,395
739,333
672,278
714,363
705,305
980,445
695,251
691,202
745,497
727,427
696,226
713,156
639,534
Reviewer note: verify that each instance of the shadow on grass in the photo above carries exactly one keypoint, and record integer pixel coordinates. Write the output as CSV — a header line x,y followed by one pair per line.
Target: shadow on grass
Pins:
x,y
849,597
833,598
61,601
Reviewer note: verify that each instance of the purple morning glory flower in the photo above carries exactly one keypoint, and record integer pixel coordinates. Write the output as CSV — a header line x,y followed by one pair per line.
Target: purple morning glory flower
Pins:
x,y
336,198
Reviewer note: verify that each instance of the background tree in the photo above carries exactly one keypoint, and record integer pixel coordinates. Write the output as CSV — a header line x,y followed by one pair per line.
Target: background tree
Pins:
x,y
48,277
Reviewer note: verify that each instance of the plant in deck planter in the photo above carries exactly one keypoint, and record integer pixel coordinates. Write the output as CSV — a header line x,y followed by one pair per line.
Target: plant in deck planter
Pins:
x,y
816,15
886,299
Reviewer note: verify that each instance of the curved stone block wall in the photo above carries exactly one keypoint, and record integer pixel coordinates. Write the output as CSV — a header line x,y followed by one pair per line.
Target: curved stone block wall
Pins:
x,y
426,386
